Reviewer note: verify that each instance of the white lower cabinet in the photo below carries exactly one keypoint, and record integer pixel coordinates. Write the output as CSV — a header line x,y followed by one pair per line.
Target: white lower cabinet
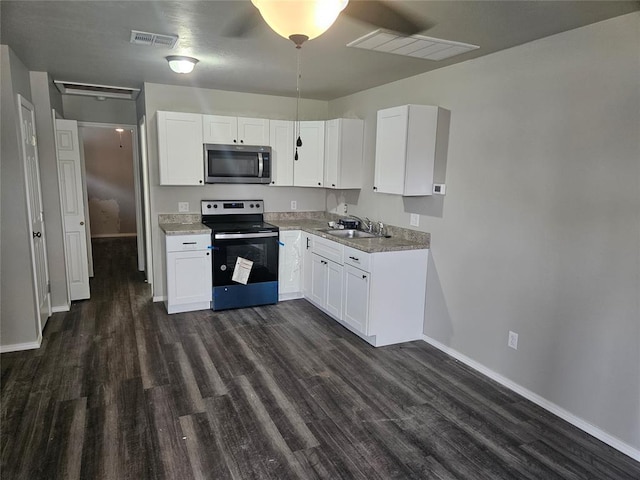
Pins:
x,y
290,265
378,296
356,298
188,279
326,285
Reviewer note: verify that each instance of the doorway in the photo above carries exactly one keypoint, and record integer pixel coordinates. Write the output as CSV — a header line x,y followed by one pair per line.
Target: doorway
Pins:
x,y
108,159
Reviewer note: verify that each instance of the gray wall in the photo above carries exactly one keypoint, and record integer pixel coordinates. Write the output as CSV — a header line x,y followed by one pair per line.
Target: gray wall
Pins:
x,y
539,230
18,321
184,99
88,109
45,97
108,159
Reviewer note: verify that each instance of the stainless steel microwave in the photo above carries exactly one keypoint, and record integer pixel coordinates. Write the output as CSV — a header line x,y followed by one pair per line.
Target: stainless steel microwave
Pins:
x,y
237,163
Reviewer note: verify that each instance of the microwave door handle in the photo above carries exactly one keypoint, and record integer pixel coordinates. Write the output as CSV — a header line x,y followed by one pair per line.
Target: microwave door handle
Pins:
x,y
260,165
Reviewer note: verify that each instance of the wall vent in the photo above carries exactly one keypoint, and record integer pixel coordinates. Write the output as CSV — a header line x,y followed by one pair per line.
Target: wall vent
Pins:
x,y
417,46
100,91
151,39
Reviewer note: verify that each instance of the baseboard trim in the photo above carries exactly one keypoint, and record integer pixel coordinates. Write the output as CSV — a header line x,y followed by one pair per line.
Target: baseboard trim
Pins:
x,y
18,347
540,401
61,308
283,297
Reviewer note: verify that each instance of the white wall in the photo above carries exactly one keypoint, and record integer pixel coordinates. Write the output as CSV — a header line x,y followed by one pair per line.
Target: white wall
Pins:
x,y
45,97
164,199
18,319
539,232
88,109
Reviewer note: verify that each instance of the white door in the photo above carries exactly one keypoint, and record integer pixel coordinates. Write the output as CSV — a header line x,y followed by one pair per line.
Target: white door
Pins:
x,y
35,212
73,208
146,201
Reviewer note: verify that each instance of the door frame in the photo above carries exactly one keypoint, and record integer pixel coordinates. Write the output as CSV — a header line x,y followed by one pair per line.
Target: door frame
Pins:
x,y
23,102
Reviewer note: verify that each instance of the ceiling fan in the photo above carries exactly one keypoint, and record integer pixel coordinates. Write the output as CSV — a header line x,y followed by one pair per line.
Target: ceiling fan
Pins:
x,y
381,14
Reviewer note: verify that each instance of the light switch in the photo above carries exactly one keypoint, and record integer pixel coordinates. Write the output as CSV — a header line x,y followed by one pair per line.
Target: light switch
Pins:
x,y
415,220
183,207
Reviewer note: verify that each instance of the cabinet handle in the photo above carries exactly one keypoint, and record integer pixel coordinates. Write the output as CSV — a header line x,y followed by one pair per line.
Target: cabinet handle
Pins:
x,y
333,184
355,258
235,141
364,276
200,181
241,141
319,184
308,238
207,254
375,188
188,243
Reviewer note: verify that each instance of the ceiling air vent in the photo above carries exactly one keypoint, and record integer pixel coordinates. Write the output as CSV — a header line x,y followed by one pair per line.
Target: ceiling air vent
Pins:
x,y
416,46
157,39
100,91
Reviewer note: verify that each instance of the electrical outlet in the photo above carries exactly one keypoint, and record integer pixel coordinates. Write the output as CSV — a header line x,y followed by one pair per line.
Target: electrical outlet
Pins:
x,y
513,340
344,209
183,207
294,205
439,188
415,220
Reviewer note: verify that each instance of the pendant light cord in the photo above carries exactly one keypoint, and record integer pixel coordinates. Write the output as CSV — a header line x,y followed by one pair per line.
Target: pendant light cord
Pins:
x,y
298,77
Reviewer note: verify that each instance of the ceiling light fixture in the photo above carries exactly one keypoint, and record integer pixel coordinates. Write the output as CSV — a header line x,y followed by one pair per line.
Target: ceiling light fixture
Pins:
x,y
297,19
181,64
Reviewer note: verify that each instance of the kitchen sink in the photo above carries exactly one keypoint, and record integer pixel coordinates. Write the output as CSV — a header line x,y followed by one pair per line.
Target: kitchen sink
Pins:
x,y
349,233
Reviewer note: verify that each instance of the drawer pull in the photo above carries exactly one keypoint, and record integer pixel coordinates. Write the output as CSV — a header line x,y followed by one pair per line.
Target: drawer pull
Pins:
x,y
189,243
364,276
355,259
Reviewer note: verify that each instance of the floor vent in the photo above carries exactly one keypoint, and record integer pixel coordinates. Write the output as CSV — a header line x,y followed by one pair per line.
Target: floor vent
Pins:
x,y
101,92
417,46
151,39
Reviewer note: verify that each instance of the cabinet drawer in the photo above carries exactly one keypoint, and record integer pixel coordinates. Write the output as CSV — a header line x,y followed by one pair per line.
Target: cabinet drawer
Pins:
x,y
357,258
182,243
328,249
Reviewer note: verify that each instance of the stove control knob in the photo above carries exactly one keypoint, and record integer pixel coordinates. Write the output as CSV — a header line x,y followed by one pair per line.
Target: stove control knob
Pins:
x,y
215,205
208,205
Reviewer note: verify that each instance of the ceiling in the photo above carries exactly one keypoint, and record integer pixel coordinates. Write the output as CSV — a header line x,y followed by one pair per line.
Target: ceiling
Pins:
x,y
88,41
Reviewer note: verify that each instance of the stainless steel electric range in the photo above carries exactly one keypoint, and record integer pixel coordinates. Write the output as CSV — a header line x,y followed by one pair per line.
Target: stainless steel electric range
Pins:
x,y
245,253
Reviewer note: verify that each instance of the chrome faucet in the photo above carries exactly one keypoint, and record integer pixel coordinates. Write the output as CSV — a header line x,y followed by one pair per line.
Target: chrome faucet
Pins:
x,y
366,224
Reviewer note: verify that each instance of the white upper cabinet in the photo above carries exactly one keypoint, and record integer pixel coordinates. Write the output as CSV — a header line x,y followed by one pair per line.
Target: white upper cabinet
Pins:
x,y
235,130
308,170
180,152
410,139
343,153
282,151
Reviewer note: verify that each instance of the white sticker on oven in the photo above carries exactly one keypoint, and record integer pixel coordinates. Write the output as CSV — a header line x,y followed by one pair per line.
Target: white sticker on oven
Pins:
x,y
242,270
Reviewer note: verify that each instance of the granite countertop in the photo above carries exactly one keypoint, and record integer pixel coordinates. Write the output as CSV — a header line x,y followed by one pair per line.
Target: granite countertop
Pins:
x,y
397,242
310,222
184,228
182,224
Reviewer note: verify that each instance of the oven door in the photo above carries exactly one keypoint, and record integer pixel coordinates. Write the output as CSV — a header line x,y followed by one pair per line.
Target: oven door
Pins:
x,y
262,285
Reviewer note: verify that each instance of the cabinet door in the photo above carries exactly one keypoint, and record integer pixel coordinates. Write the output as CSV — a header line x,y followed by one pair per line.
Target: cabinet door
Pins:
x,y
391,150
343,153
219,129
308,170
334,289
281,141
188,277
307,264
319,280
253,131
290,258
356,298
180,153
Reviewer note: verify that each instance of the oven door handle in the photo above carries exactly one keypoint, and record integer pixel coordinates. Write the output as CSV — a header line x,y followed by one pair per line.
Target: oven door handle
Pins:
x,y
233,236
260,165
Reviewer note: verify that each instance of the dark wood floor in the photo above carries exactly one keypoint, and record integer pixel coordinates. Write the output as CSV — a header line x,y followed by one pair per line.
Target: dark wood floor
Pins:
x,y
121,390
